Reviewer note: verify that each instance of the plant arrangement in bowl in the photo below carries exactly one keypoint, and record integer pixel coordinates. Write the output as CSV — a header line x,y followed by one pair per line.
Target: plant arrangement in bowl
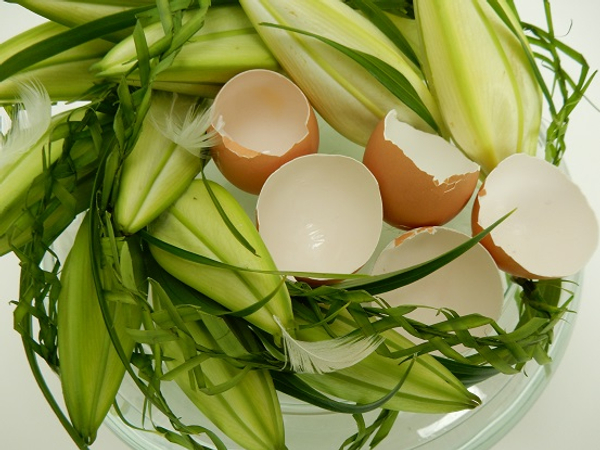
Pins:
x,y
263,218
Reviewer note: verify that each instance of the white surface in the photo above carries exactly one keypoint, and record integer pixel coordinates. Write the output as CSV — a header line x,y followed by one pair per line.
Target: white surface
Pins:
x,y
565,416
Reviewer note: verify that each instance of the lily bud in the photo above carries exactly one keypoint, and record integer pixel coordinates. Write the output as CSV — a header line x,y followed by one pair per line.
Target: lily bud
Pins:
x,y
428,386
91,371
345,94
65,76
225,46
482,77
165,159
33,141
195,224
75,13
70,196
247,412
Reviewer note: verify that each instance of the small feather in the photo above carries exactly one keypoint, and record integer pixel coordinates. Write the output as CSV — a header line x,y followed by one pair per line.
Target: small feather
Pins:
x,y
328,355
189,131
30,124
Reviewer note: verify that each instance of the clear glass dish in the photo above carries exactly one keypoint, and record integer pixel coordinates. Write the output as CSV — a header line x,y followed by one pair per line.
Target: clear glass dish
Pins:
x,y
505,398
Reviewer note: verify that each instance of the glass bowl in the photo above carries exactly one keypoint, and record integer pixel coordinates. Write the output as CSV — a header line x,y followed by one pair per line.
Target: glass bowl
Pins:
x,y
505,398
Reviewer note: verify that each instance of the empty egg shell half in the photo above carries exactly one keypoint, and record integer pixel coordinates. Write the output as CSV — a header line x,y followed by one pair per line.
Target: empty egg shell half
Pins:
x,y
264,120
552,232
320,213
470,284
424,180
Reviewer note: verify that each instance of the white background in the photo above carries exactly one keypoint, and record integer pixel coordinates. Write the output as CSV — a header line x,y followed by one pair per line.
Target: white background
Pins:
x,y
567,413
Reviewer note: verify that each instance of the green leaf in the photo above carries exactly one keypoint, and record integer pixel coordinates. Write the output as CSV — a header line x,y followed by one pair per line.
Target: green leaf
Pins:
x,y
569,92
258,305
230,226
155,336
194,257
186,441
383,283
375,14
468,374
379,429
185,367
143,54
402,8
386,421
69,39
230,383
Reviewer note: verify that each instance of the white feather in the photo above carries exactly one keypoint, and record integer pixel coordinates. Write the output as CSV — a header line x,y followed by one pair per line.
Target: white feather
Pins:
x,y
189,131
30,124
328,355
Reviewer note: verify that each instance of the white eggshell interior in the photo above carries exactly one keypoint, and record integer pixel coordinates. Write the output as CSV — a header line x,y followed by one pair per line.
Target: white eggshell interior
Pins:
x,y
553,231
320,213
431,153
472,283
262,111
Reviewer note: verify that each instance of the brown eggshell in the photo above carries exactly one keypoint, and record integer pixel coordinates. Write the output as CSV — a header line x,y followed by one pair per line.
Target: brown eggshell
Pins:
x,y
503,260
264,121
413,195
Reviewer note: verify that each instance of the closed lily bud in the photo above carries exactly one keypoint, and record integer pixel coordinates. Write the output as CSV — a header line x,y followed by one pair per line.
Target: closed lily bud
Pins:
x,y
91,371
225,46
65,76
482,78
47,30
428,387
194,223
57,216
73,182
74,13
345,94
164,160
34,141
247,412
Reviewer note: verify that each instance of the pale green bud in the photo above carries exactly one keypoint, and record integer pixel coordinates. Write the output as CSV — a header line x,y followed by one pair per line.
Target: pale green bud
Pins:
x,y
247,412
65,76
349,98
166,157
482,78
91,371
193,223
225,46
428,387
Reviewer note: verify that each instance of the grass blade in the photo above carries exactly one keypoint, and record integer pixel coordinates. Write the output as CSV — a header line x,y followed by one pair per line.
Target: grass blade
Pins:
x,y
67,40
376,15
383,283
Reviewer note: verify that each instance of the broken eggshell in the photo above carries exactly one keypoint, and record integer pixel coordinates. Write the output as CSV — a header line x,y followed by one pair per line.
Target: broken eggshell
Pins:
x,y
320,213
470,284
424,180
264,120
552,232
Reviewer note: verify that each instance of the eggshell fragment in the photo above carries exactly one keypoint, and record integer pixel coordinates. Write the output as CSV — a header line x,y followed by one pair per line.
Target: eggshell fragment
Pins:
x,y
264,121
424,180
553,231
320,213
470,284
